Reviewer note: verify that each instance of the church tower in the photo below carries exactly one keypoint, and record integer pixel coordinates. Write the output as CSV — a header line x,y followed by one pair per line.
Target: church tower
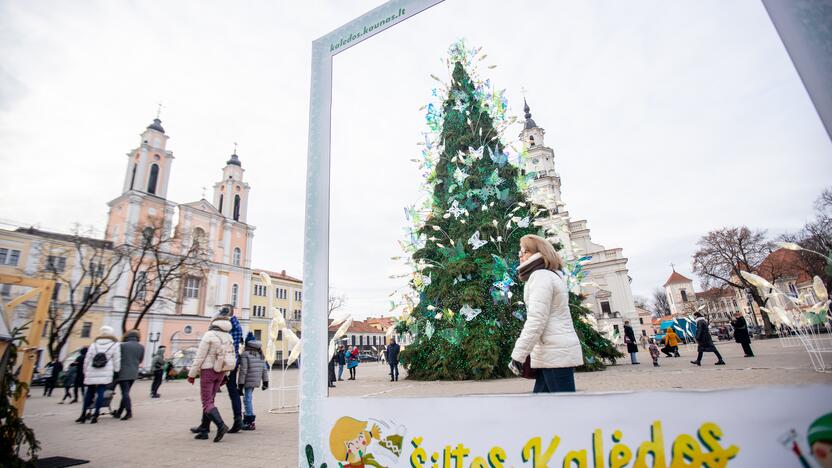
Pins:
x,y
148,166
143,200
540,162
231,193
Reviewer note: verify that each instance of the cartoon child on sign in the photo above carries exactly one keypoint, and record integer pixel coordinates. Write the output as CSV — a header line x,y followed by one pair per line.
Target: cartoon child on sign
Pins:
x,y
356,447
820,440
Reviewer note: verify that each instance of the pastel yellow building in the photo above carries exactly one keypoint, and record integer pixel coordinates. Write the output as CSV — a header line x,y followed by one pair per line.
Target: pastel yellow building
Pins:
x,y
285,295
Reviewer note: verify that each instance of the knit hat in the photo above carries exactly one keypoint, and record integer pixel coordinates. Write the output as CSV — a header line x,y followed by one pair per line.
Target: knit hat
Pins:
x,y
821,429
250,337
107,330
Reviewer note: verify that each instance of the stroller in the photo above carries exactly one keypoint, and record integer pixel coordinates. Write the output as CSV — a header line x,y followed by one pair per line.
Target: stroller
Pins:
x,y
109,393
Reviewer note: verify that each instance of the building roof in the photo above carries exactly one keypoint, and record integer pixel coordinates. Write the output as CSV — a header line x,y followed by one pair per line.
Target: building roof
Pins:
x,y
282,275
357,327
71,238
234,161
529,122
383,322
675,278
715,293
783,263
156,125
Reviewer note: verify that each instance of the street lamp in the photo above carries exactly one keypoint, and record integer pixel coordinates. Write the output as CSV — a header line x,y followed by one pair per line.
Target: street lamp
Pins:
x,y
154,338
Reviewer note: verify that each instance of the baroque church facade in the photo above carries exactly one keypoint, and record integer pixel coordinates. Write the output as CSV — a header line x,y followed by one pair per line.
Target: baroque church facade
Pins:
x,y
607,285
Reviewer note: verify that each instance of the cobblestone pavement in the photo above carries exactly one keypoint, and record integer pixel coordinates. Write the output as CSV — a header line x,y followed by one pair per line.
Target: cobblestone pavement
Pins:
x,y
158,433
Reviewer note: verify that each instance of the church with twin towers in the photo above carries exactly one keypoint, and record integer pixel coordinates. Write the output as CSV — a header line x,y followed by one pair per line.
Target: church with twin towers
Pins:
x,y
607,285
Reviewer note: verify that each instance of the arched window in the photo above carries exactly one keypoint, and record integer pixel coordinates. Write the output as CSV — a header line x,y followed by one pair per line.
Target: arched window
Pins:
x,y
220,207
234,293
531,140
147,235
154,177
236,257
199,237
684,296
236,207
133,177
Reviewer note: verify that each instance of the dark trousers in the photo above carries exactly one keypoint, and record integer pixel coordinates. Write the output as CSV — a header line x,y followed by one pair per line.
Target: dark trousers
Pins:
x,y
126,404
394,370
234,394
718,356
671,351
75,391
48,386
157,382
352,373
67,393
97,392
746,348
555,380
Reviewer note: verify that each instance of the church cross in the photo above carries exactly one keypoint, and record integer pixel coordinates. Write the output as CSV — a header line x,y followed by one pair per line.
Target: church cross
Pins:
x,y
203,192
235,147
159,110
673,266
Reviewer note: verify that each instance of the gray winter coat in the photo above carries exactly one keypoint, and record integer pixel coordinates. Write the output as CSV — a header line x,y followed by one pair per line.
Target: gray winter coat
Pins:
x,y
132,353
252,366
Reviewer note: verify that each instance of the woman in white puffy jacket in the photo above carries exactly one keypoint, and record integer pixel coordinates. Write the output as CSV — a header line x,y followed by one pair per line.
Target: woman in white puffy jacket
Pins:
x,y
99,372
210,351
548,335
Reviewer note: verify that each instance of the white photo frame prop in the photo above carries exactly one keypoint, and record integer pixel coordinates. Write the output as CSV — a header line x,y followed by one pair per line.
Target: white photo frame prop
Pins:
x,y
528,430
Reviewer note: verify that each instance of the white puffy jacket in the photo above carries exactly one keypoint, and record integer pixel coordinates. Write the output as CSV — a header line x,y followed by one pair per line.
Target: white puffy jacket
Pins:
x,y
102,375
548,334
210,345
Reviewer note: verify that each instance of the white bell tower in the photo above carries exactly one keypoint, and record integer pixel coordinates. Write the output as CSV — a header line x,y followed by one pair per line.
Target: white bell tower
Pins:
x,y
148,166
231,193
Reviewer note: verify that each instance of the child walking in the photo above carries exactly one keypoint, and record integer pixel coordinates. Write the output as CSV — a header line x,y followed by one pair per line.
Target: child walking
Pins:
x,y
654,352
253,371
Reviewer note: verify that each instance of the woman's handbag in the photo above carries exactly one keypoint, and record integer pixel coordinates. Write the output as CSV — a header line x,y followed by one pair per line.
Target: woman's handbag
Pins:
x,y
528,372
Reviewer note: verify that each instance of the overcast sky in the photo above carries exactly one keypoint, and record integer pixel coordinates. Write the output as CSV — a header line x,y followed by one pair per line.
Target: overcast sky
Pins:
x,y
667,119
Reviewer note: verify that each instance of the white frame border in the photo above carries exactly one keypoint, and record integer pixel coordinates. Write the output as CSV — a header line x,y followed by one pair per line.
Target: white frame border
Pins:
x,y
313,374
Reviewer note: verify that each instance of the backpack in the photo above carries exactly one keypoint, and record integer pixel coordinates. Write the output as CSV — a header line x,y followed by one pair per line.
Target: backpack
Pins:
x,y
226,357
100,359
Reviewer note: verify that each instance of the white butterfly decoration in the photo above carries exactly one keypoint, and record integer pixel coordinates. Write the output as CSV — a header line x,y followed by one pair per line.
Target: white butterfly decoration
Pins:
x,y
523,223
460,176
469,313
457,210
475,241
476,154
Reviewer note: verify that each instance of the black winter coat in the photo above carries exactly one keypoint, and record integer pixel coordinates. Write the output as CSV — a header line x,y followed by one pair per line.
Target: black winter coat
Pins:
x,y
341,358
630,338
741,330
703,336
393,353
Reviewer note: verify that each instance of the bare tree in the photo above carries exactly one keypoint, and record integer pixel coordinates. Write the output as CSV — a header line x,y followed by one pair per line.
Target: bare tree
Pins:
x,y
158,265
336,301
95,268
816,235
725,252
659,305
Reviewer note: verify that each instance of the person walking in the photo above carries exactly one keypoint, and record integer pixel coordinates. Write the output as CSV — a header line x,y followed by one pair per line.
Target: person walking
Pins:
x,y
741,334
132,353
236,333
630,339
352,362
548,337
103,359
342,361
392,356
331,370
654,352
211,366
253,373
705,344
157,365
79,375
671,343
69,382
53,370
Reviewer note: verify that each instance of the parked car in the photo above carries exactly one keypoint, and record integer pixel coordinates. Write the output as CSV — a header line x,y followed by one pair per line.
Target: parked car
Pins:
x,y
364,357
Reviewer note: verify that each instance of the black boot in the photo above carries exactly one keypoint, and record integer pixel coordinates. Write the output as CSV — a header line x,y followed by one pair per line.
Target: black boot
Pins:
x,y
248,423
204,426
117,413
94,417
236,426
214,415
83,417
127,415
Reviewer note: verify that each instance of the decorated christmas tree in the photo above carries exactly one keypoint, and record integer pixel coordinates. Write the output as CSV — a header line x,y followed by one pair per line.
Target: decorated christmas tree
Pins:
x,y
464,307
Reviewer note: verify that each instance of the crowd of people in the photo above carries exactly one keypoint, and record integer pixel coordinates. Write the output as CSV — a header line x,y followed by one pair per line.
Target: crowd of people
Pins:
x,y
351,359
